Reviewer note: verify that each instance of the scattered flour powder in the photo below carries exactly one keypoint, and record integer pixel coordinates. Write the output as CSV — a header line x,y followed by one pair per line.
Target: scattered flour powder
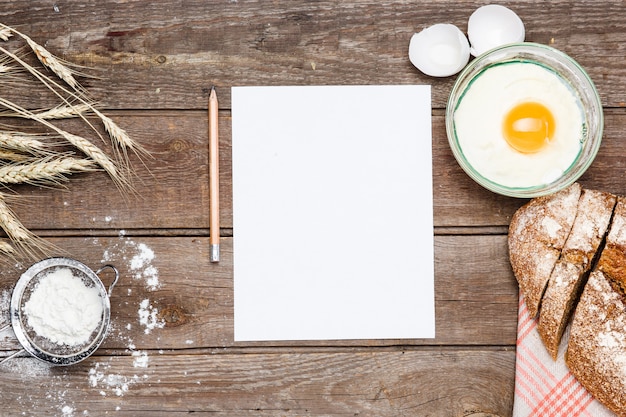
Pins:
x,y
139,257
63,309
149,317
141,265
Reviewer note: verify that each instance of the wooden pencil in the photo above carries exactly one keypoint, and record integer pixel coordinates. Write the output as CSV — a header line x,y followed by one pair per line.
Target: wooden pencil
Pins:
x,y
214,206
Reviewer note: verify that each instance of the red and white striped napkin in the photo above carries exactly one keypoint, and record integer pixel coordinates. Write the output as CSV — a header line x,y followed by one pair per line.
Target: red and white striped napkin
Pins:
x,y
544,387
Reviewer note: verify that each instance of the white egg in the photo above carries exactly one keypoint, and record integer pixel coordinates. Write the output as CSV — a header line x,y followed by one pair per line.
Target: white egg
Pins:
x,y
492,26
440,50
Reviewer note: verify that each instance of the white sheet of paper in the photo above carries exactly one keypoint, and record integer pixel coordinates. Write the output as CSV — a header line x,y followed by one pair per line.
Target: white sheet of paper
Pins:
x,y
332,212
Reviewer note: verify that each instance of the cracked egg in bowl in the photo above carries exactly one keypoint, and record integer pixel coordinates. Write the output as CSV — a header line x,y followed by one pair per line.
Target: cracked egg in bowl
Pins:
x,y
524,120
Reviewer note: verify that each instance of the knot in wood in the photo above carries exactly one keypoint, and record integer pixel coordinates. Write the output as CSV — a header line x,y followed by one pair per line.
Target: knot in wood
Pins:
x,y
173,315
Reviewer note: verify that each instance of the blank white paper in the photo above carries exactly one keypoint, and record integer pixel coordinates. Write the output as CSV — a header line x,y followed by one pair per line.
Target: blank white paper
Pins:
x,y
332,212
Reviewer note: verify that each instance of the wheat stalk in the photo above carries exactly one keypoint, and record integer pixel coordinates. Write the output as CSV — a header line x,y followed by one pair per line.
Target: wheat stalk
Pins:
x,y
119,137
47,171
30,158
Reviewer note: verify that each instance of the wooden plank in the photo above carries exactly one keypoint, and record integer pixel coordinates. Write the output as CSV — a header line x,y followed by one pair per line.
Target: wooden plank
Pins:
x,y
163,55
398,382
171,297
174,185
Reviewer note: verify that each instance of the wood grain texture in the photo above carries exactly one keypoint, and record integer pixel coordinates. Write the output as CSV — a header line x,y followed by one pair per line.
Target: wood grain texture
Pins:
x,y
170,349
175,51
173,186
193,301
398,382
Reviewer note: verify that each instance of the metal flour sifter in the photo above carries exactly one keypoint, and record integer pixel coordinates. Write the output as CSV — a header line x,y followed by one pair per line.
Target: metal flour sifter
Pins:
x,y
41,347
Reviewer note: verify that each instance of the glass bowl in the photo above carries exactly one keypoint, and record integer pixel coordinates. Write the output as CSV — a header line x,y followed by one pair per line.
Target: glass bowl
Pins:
x,y
576,80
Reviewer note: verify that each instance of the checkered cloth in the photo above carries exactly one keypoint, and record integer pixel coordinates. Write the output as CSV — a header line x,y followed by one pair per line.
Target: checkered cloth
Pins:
x,y
544,387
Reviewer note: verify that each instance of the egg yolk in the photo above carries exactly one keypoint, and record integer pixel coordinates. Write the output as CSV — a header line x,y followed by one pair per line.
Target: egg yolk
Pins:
x,y
528,127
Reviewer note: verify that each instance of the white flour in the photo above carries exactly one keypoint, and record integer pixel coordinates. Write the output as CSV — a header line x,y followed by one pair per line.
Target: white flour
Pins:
x,y
139,257
63,309
149,317
141,264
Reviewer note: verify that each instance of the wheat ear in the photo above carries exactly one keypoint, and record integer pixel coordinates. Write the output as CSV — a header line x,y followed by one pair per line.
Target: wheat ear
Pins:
x,y
22,238
6,248
64,111
48,171
5,33
20,142
12,156
118,136
121,140
79,142
44,56
96,154
8,252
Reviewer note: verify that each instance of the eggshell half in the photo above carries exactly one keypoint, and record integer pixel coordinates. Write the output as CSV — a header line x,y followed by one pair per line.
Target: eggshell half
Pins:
x,y
493,25
440,50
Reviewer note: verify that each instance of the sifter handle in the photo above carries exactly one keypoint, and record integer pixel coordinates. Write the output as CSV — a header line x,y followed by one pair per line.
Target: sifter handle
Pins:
x,y
117,276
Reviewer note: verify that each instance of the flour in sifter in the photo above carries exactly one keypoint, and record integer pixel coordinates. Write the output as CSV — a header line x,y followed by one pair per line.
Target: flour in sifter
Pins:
x,y
63,309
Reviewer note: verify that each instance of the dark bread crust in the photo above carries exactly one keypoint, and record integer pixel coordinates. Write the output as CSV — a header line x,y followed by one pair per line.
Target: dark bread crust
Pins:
x,y
537,234
596,350
613,260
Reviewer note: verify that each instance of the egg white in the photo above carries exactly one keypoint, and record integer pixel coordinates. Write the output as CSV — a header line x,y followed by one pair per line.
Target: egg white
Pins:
x,y
480,113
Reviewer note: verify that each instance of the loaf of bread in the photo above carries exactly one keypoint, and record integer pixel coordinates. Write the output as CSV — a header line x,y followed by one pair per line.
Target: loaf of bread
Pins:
x,y
591,259
565,285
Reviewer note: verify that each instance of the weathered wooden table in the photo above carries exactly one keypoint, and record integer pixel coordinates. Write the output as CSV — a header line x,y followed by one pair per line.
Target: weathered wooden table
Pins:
x,y
171,350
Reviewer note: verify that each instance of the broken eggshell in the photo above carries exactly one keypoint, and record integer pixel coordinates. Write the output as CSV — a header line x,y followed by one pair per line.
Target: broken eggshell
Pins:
x,y
440,50
492,26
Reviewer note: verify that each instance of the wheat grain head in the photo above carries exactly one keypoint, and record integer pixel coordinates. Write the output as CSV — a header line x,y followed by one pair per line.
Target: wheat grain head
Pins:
x,y
23,240
44,172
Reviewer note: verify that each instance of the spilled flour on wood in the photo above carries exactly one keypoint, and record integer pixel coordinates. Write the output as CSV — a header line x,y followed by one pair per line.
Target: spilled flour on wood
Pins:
x,y
138,258
109,383
106,376
149,317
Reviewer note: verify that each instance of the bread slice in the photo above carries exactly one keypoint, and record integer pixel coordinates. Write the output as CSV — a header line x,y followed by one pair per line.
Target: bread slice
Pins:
x,y
537,234
596,350
569,275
